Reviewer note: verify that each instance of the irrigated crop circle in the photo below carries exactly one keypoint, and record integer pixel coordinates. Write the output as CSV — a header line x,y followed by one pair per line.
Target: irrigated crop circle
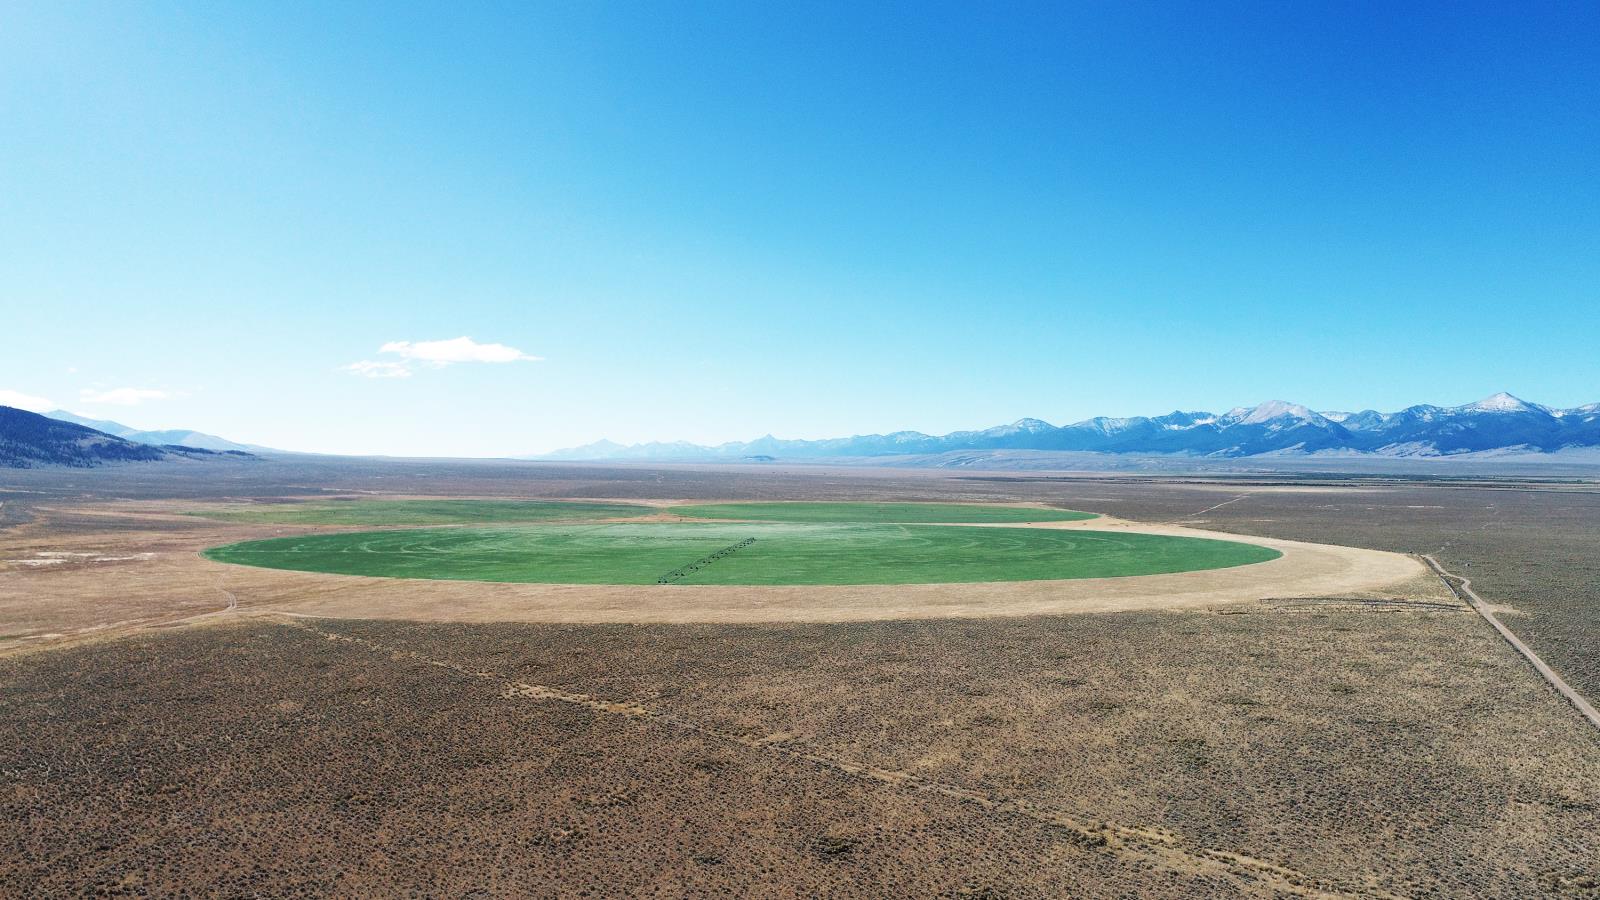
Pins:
x,y
763,553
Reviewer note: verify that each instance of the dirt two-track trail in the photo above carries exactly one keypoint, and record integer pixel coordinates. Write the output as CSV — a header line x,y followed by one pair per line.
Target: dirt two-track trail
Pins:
x,y
1152,846
1462,587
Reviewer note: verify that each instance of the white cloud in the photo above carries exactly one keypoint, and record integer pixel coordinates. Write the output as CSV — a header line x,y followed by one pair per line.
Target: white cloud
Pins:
x,y
435,354
121,396
455,350
24,401
373,369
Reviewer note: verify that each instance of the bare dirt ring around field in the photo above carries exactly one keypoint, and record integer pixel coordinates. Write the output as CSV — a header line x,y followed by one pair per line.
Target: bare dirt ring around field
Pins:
x,y
134,568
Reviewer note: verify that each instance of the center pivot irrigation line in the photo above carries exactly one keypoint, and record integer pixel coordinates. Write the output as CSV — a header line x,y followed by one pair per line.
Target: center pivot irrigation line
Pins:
x,y
702,562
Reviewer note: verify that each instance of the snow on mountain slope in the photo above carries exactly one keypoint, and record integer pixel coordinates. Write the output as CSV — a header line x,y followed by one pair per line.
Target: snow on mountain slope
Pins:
x,y
1498,423
1274,410
1501,402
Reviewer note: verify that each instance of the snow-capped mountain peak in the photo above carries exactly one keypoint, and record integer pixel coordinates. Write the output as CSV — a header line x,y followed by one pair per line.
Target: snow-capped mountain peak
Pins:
x,y
1277,409
1501,402
1498,424
1028,426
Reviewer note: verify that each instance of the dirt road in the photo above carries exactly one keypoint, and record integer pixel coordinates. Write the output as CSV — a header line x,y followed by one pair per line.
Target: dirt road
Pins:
x,y
1462,587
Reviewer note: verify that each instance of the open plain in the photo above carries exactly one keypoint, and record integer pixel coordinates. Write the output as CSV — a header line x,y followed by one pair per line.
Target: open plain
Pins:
x,y
1330,721
796,450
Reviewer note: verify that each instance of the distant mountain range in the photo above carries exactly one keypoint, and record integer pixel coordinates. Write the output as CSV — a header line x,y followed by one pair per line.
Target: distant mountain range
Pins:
x,y
180,437
1500,424
28,440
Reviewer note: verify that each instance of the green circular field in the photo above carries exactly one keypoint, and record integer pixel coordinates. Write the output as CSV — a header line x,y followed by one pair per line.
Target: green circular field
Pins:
x,y
899,513
741,554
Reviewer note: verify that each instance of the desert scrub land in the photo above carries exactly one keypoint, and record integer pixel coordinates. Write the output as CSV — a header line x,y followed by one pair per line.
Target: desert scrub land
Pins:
x,y
1534,550
1297,745
1282,748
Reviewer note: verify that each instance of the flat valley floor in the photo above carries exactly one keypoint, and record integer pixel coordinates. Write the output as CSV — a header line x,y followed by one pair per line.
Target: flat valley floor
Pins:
x,y
1337,725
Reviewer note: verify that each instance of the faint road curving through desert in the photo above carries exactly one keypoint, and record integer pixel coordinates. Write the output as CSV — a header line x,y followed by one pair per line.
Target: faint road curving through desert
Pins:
x,y
1462,587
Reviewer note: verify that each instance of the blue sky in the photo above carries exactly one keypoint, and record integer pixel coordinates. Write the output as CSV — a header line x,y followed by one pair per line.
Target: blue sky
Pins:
x,y
714,221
